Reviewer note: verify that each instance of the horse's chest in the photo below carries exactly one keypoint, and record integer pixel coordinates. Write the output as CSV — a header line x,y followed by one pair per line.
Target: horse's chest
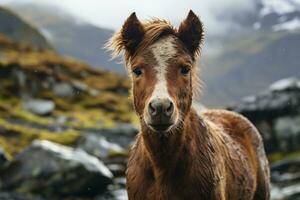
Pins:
x,y
179,188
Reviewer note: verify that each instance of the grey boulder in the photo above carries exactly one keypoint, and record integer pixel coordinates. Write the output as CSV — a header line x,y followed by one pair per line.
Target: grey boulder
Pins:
x,y
39,106
53,170
98,145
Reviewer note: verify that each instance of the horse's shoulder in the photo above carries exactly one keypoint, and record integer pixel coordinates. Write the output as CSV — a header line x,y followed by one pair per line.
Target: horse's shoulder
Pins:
x,y
234,124
221,113
227,119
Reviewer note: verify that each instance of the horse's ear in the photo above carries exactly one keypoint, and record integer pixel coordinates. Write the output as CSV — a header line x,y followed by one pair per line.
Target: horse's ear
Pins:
x,y
191,33
132,33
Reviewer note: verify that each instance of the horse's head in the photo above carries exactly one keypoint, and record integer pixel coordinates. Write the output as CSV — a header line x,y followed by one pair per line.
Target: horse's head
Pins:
x,y
161,63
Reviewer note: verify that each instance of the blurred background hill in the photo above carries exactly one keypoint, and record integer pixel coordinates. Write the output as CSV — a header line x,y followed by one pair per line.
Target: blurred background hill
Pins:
x,y
17,29
265,49
65,104
70,35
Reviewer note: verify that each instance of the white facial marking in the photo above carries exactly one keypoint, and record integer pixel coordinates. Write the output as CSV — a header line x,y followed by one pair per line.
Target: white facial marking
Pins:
x,y
162,50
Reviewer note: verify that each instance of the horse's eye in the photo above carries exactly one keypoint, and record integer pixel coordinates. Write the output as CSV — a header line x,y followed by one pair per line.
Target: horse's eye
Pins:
x,y
137,71
184,70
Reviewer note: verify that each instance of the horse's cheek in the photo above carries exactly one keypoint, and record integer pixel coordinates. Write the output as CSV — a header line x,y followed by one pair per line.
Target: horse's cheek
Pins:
x,y
139,95
185,98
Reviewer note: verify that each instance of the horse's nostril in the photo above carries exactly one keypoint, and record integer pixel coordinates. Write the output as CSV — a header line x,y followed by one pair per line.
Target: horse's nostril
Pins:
x,y
151,109
169,109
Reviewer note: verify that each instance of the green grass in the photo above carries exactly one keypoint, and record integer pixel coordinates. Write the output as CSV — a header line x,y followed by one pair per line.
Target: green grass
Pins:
x,y
17,137
274,157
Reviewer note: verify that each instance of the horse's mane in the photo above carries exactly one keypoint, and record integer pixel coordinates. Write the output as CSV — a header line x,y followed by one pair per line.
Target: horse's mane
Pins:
x,y
154,30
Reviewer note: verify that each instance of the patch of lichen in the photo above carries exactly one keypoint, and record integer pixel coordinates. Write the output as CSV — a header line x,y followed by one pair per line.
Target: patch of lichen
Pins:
x,y
99,113
105,110
14,137
85,112
12,109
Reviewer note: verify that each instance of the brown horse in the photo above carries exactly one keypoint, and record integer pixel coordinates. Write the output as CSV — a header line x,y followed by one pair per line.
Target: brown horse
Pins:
x,y
181,153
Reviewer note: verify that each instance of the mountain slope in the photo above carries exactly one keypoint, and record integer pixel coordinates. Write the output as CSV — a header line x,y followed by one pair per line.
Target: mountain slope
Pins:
x,y
18,30
250,63
278,15
266,50
70,36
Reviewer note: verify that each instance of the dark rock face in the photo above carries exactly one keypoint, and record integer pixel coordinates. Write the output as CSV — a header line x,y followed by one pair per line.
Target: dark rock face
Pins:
x,y
286,177
3,158
286,171
16,196
282,98
54,170
276,113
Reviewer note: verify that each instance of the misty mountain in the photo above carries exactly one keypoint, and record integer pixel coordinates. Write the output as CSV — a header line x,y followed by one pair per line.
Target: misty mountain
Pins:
x,y
18,30
248,64
278,15
69,35
266,50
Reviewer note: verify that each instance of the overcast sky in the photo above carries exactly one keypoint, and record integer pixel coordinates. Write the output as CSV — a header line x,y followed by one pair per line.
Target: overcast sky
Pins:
x,y
112,13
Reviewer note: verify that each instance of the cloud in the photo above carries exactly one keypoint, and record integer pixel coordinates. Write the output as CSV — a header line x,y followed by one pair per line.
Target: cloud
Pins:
x,y
216,14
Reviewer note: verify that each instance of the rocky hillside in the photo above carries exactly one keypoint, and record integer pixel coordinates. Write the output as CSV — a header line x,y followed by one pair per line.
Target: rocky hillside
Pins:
x,y
39,88
18,30
60,112
69,35
65,127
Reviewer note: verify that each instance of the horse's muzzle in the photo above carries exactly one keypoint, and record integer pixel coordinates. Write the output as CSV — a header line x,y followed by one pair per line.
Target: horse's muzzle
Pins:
x,y
160,112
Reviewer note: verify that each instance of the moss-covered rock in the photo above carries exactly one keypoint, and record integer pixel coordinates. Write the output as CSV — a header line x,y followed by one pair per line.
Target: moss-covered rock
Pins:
x,y
95,99
14,137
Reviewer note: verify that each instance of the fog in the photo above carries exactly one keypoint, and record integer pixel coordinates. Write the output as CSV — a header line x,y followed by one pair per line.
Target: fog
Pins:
x,y
216,14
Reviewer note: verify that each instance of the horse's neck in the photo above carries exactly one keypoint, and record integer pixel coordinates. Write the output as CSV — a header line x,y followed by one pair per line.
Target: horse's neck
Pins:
x,y
168,152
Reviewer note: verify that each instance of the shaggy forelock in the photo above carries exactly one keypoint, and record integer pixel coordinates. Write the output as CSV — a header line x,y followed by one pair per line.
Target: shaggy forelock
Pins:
x,y
154,30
